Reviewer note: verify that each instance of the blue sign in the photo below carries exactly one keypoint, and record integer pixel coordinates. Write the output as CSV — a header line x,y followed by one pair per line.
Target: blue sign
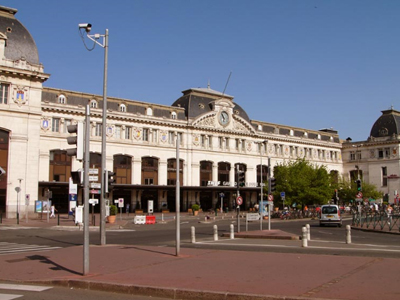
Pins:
x,y
282,194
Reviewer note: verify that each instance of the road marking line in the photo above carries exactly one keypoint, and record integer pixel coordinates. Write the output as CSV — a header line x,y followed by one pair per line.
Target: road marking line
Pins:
x,y
22,287
9,296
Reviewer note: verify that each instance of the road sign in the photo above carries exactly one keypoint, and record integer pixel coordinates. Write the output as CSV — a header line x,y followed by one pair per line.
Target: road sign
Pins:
x,y
93,178
359,195
95,185
271,197
239,200
94,201
93,171
283,194
252,217
95,191
222,195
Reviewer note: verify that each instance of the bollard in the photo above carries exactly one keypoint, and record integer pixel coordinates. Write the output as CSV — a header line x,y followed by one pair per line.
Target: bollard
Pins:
x,y
58,219
215,233
308,232
348,234
205,219
193,234
304,237
232,233
162,217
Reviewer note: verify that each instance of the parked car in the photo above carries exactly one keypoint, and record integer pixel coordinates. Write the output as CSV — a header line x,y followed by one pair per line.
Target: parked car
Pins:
x,y
330,214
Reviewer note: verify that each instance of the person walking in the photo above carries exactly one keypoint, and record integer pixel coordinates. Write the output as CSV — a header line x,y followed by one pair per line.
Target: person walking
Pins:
x,y
53,210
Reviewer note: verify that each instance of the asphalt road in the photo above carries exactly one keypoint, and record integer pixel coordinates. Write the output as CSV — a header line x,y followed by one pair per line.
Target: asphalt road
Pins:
x,y
35,292
324,240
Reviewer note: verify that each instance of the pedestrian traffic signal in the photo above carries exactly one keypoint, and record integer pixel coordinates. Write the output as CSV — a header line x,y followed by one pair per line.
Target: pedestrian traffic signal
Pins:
x,y
241,178
272,184
109,180
359,187
76,140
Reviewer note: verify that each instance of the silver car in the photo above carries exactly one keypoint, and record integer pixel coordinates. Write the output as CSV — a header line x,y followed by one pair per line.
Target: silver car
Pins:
x,y
330,214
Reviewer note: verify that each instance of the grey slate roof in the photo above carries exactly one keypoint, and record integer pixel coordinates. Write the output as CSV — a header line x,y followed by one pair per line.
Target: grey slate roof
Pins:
x,y
19,43
388,124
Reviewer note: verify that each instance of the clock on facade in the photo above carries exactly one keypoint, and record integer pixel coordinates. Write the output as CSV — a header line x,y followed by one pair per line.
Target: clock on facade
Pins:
x,y
224,118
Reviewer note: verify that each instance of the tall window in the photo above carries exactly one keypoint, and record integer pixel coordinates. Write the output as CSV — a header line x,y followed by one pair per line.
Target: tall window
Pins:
x,y
171,176
149,170
171,137
117,132
4,93
55,125
205,172
60,166
98,129
122,169
122,108
93,103
62,99
145,134
384,176
128,133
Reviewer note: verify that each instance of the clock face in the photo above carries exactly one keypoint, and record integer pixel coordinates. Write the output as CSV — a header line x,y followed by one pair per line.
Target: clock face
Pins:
x,y
224,118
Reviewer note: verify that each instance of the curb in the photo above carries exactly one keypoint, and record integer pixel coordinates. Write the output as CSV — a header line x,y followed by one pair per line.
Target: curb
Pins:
x,y
171,293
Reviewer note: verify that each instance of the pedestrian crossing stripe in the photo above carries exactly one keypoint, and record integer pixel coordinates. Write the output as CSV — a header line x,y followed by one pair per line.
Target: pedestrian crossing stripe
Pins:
x,y
24,287
9,296
12,248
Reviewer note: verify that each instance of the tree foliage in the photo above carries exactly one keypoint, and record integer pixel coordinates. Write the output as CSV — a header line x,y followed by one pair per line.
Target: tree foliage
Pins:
x,y
303,183
348,190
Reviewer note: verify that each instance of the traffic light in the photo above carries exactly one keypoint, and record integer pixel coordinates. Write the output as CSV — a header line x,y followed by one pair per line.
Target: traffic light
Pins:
x,y
109,180
76,140
359,187
272,181
241,178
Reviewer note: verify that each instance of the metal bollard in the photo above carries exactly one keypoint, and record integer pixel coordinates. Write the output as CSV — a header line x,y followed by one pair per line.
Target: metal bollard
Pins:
x,y
232,233
304,241
308,232
348,234
162,217
215,233
193,234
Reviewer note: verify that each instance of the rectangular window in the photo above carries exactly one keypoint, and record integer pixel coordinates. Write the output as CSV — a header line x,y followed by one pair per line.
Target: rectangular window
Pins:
x,y
148,181
155,136
227,143
387,152
220,142
352,156
55,125
384,176
145,134
98,129
203,140
380,153
237,144
128,133
117,132
243,145
180,138
171,137
4,93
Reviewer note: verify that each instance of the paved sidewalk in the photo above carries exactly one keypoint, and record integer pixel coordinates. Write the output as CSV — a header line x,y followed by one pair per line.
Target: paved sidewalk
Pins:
x,y
205,274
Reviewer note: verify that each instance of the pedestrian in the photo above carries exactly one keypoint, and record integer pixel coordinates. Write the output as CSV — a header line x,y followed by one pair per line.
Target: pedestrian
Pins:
x,y
53,210
389,210
127,208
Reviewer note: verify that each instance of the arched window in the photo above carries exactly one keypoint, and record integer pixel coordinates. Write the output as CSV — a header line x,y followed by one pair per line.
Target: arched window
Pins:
x,y
205,172
149,111
122,169
173,115
62,99
93,103
150,170
224,169
171,176
60,166
122,108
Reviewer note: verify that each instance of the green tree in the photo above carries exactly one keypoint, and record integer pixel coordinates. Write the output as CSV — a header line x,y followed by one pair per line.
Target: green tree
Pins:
x,y
303,183
348,190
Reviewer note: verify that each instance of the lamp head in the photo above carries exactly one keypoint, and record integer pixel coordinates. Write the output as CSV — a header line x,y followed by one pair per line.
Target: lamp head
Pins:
x,y
86,26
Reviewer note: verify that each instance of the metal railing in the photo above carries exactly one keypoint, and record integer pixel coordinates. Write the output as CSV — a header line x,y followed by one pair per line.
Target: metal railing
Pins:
x,y
377,219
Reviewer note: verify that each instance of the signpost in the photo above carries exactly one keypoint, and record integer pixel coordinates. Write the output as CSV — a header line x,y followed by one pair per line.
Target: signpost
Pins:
x,y
251,217
222,195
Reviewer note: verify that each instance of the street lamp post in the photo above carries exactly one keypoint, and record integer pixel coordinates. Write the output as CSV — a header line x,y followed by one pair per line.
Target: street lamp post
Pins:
x,y
95,37
262,184
18,190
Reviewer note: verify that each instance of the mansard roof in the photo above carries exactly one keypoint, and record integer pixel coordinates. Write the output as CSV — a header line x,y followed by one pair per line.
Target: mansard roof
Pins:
x,y
19,42
387,125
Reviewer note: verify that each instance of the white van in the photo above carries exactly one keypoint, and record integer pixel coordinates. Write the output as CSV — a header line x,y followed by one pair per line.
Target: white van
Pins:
x,y
330,214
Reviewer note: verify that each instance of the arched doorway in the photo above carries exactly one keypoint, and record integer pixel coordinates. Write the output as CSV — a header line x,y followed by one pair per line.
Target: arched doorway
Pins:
x,y
4,143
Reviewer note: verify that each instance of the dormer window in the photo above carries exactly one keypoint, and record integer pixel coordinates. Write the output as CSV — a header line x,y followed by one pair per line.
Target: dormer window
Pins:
x,y
149,111
305,134
259,127
173,115
62,99
291,132
122,108
93,103
319,136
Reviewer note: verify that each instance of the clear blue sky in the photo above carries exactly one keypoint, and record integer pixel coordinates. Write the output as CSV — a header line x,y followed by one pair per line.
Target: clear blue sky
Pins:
x,y
311,64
